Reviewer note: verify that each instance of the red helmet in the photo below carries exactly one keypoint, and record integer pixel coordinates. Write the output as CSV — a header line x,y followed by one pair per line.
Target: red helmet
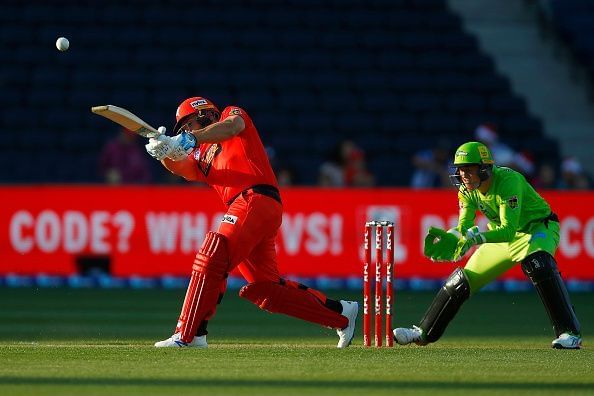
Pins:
x,y
204,109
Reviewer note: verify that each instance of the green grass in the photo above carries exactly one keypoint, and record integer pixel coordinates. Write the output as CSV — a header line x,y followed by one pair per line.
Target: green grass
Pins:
x,y
89,342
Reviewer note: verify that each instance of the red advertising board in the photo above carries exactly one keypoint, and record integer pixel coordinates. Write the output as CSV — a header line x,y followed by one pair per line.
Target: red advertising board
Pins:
x,y
150,231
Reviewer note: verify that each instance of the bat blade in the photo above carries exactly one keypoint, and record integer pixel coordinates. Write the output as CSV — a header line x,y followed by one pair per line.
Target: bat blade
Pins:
x,y
126,119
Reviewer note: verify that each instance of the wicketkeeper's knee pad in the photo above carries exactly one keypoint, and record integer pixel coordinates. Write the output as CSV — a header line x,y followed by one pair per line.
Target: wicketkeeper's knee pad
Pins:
x,y
206,284
293,299
542,270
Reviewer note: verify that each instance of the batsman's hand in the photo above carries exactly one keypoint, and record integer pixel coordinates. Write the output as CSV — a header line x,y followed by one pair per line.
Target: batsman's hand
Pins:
x,y
440,245
177,148
183,144
472,238
158,147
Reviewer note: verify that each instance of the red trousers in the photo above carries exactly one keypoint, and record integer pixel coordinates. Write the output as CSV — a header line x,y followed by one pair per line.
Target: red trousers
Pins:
x,y
251,226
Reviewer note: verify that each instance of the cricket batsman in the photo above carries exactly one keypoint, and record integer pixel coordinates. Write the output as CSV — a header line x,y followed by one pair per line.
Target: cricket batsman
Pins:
x,y
521,229
224,150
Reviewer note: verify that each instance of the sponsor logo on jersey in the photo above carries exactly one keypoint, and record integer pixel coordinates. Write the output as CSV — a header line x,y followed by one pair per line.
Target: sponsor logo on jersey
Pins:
x,y
197,154
229,219
460,205
537,235
235,111
206,157
513,202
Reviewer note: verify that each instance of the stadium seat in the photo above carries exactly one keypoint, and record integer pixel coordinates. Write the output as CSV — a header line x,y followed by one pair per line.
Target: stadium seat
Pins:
x,y
310,73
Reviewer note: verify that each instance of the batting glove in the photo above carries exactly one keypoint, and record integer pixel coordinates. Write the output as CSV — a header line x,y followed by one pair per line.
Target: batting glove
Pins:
x,y
158,147
182,145
472,238
177,148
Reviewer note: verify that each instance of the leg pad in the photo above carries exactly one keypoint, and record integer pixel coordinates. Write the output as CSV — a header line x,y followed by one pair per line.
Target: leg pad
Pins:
x,y
445,305
293,299
542,270
206,284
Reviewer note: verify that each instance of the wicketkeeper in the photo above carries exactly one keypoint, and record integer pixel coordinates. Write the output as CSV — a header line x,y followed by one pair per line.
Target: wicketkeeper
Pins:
x,y
521,229
224,150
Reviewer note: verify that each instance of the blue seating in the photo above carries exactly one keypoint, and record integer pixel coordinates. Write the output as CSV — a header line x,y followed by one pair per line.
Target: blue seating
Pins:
x,y
257,98
490,84
390,74
441,123
422,102
410,82
340,101
523,125
474,62
396,124
450,81
436,60
351,124
396,60
506,103
15,117
391,170
297,100
378,103
465,102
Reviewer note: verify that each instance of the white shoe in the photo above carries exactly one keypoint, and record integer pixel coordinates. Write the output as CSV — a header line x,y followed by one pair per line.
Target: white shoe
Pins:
x,y
405,336
567,341
350,309
175,342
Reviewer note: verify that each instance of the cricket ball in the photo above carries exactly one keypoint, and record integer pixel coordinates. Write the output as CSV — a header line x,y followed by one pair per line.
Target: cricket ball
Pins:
x,y
62,44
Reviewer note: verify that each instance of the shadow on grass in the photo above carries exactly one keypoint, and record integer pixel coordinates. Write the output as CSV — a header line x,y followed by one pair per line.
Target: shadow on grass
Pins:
x,y
295,384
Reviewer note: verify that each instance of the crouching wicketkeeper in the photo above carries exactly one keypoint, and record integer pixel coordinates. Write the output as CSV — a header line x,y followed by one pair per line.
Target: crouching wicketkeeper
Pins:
x,y
522,229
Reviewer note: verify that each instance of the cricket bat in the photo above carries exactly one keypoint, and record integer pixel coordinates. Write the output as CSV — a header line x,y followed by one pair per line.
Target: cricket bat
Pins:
x,y
126,119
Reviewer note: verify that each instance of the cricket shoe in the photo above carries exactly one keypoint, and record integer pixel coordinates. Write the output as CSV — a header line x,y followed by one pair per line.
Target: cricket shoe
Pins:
x,y
405,336
350,309
567,341
175,342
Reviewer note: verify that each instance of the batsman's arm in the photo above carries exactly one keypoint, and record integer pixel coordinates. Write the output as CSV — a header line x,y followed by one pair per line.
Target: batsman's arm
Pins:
x,y
219,131
185,168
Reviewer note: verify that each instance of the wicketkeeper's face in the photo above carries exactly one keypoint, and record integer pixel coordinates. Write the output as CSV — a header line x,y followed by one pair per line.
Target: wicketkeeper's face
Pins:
x,y
469,176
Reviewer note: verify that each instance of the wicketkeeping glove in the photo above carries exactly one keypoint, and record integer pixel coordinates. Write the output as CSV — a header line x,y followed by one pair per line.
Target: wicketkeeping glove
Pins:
x,y
472,238
440,245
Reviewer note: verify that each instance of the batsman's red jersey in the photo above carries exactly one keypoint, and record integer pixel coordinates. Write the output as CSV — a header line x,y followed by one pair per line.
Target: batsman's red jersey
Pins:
x,y
233,165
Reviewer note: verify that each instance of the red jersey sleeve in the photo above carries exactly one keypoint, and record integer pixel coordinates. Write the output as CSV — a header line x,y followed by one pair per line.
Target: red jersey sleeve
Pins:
x,y
235,164
237,111
186,168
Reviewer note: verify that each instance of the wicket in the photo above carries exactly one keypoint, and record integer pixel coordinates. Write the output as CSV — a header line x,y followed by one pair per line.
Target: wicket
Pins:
x,y
389,263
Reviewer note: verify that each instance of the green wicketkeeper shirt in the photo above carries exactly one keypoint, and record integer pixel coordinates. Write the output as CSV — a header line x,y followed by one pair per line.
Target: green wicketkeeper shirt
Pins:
x,y
511,205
